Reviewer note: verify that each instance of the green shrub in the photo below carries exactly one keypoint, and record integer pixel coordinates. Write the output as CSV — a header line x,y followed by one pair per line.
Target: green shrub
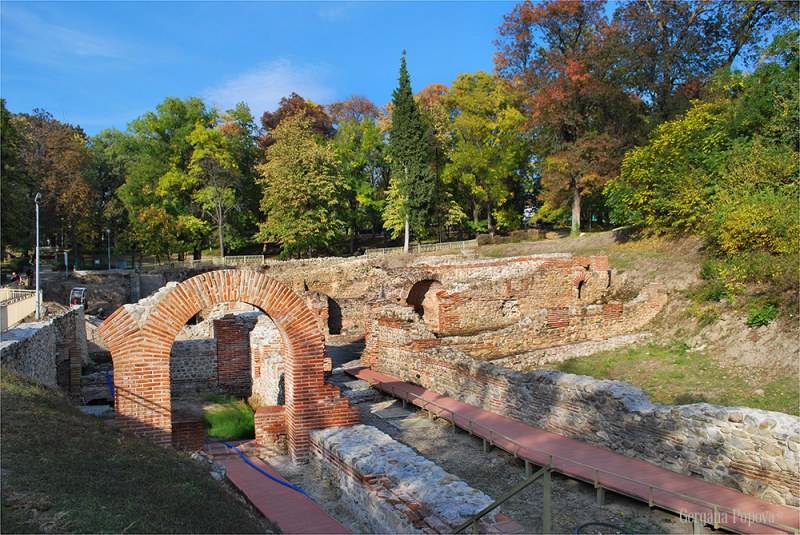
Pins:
x,y
761,316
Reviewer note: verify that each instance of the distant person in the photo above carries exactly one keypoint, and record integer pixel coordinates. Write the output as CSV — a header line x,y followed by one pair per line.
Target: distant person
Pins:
x,y
15,280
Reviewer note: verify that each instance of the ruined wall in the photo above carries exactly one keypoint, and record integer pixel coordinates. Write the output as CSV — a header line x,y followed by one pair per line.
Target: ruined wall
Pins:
x,y
266,357
494,294
50,351
233,353
750,450
563,325
390,487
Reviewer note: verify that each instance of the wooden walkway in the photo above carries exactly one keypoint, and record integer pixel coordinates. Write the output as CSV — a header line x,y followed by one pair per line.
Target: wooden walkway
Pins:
x,y
694,499
291,511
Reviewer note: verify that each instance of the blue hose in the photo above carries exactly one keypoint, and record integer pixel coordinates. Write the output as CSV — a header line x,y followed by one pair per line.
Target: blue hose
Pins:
x,y
273,478
110,384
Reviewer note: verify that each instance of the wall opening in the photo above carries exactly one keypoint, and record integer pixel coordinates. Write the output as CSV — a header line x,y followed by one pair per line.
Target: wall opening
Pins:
x,y
422,297
334,317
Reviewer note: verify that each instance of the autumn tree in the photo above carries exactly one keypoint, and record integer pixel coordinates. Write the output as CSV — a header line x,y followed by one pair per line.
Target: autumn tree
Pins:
x,y
560,55
670,50
294,104
57,154
413,180
304,196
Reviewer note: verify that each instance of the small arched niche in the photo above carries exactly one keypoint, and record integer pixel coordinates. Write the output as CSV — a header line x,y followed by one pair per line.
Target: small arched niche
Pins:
x,y
422,297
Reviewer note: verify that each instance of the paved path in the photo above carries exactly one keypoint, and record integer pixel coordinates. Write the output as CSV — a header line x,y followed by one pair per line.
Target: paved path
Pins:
x,y
690,497
290,510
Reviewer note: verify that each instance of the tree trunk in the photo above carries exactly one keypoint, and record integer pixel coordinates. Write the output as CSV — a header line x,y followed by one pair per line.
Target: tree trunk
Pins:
x,y
353,238
576,209
408,236
219,229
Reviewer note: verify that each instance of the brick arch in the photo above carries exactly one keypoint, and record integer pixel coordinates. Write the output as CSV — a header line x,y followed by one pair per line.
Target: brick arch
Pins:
x,y
412,279
141,348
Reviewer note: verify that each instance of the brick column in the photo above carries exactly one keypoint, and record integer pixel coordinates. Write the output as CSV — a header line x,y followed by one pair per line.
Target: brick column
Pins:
x,y
233,356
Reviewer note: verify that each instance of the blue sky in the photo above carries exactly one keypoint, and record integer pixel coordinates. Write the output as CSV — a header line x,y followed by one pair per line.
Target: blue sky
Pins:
x,y
102,64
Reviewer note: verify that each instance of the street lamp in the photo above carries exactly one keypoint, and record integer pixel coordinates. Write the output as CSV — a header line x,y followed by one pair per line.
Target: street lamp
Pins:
x,y
108,236
38,307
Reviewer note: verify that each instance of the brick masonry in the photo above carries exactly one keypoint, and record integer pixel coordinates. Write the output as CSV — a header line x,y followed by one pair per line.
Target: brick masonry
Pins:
x,y
140,339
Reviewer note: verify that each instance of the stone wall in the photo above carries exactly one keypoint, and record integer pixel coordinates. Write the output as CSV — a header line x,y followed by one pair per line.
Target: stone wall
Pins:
x,y
266,357
51,351
502,292
563,325
750,450
193,367
398,326
390,487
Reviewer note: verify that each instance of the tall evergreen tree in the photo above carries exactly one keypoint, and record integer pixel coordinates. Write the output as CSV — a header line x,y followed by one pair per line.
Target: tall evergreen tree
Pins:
x,y
410,153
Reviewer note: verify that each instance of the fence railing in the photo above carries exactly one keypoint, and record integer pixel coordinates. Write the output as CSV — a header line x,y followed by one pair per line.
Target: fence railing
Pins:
x,y
601,478
423,248
15,306
236,260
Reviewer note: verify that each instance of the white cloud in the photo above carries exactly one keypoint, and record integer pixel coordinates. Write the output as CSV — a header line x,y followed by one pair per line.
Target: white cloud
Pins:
x,y
337,12
46,42
264,87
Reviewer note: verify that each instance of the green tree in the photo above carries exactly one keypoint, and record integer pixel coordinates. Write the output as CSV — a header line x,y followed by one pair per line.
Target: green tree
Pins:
x,y
726,166
303,194
359,148
410,158
17,185
489,162
215,174
158,171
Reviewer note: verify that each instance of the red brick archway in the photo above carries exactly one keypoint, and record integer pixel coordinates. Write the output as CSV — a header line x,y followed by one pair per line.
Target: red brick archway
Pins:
x,y
140,340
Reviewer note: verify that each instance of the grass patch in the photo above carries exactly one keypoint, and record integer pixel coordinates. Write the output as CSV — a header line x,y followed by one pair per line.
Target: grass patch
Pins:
x,y
67,472
229,418
673,375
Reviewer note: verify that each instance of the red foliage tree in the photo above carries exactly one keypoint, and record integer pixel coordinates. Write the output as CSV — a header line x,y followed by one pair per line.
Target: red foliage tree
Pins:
x,y
321,123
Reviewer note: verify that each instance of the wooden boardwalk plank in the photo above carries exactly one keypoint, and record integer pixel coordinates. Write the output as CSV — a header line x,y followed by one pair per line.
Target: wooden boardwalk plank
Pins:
x,y
638,479
290,510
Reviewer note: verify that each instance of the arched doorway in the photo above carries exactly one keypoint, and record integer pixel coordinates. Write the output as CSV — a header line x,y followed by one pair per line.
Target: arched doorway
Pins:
x,y
140,340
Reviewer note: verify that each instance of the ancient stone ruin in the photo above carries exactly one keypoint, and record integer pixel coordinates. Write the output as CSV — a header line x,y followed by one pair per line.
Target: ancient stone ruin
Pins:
x,y
462,326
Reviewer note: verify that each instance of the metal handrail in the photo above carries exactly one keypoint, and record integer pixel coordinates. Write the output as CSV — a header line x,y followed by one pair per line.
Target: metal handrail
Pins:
x,y
546,513
14,295
715,507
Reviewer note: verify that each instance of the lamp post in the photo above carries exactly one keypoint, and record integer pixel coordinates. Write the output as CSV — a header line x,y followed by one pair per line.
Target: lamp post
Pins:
x,y
38,308
108,236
